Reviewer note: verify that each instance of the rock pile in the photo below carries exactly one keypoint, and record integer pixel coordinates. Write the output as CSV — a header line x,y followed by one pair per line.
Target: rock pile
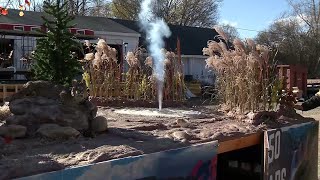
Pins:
x,y
52,111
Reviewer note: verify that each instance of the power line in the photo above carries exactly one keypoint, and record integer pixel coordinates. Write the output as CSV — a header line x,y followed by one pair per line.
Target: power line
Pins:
x,y
245,29
252,30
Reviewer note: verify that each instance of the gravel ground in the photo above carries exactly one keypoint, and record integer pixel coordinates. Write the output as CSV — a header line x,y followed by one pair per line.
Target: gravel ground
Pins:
x,y
315,113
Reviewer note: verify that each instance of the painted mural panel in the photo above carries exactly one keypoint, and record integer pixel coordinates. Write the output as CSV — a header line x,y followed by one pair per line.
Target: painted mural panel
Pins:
x,y
194,162
292,152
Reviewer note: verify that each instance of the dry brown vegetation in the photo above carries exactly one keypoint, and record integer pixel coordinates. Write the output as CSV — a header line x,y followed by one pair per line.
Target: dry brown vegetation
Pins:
x,y
104,78
4,112
246,74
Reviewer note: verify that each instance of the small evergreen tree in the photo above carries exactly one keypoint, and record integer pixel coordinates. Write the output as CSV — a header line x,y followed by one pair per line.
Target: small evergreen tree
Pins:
x,y
53,55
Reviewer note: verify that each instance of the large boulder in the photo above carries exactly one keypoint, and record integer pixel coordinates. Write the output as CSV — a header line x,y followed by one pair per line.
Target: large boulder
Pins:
x,y
38,88
41,102
13,131
54,131
100,124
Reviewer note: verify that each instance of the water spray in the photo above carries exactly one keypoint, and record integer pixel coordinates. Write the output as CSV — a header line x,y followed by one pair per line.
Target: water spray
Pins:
x,y
156,29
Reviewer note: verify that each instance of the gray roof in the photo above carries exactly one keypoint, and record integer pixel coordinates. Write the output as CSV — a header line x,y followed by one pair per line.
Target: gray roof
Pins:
x,y
82,22
192,39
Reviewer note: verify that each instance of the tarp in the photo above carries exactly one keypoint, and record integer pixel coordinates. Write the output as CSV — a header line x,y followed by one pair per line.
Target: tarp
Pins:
x,y
193,162
292,152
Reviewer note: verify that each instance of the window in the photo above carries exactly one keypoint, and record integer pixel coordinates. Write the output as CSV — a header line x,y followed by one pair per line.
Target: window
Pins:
x,y
18,28
35,28
80,32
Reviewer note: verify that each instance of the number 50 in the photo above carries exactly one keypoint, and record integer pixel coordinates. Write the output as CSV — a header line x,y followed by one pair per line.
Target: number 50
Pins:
x,y
274,146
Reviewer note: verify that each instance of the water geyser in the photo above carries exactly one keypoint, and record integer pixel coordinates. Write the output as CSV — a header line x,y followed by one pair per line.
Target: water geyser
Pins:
x,y
156,29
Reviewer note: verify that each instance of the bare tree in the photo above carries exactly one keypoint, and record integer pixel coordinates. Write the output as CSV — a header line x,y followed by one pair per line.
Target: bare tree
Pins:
x,y
295,43
34,5
126,9
202,13
100,8
230,31
309,12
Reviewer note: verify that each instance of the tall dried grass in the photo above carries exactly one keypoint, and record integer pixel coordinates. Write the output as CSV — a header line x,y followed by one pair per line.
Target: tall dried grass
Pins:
x,y
102,72
141,81
102,75
246,74
4,112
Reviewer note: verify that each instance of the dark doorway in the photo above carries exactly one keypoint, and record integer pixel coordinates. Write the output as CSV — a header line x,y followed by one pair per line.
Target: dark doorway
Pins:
x,y
241,164
6,52
6,57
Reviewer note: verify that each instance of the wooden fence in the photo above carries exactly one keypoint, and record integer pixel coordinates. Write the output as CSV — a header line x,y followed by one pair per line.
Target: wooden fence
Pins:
x,y
7,90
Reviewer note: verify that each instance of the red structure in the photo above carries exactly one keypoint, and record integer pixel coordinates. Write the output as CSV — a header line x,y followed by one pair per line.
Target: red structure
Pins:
x,y
30,28
295,76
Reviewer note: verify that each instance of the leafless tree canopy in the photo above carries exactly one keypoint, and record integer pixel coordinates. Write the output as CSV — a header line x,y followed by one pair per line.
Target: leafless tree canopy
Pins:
x,y
202,13
230,31
297,35
76,7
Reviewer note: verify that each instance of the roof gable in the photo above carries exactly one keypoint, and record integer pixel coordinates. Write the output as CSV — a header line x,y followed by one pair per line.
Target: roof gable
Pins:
x,y
192,39
81,22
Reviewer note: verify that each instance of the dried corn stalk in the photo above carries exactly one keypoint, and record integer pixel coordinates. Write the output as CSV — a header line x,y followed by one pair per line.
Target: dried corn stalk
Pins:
x,y
245,76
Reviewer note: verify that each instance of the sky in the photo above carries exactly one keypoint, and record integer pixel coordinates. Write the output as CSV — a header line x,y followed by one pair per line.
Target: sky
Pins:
x,y
251,14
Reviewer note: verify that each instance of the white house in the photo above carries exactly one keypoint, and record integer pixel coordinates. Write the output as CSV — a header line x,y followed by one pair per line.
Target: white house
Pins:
x,y
19,36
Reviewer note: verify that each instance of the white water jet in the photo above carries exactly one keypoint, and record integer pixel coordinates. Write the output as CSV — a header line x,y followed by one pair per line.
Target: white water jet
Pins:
x,y
156,29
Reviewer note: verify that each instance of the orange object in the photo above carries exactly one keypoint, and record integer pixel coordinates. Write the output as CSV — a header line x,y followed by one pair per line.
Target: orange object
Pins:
x,y
4,12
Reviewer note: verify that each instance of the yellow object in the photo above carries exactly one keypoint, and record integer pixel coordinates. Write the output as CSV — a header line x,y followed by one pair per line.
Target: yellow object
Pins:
x,y
318,93
195,88
86,78
297,92
21,13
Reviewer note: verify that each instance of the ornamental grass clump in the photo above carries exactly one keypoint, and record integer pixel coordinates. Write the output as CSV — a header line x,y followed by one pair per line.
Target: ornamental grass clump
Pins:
x,y
174,87
102,75
102,72
141,82
246,74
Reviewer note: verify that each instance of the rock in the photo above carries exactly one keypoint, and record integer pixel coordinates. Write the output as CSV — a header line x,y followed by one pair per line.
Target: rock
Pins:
x,y
206,133
54,131
183,123
2,142
18,119
241,117
216,135
251,115
20,106
13,131
38,89
181,135
42,102
4,112
231,114
99,124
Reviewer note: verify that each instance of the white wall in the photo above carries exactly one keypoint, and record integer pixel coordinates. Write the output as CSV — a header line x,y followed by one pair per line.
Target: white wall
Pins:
x,y
196,65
